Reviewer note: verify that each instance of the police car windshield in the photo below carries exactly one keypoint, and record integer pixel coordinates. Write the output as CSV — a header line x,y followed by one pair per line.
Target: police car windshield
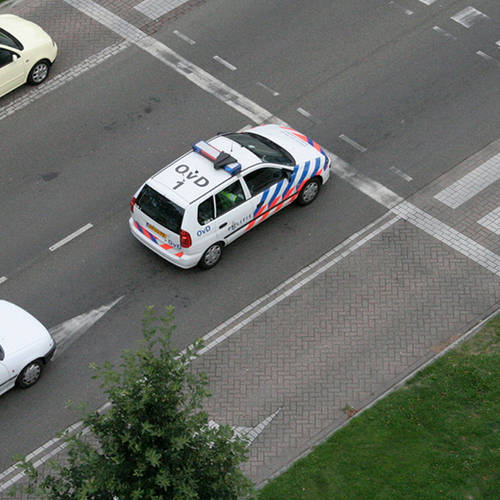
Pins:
x,y
265,149
160,209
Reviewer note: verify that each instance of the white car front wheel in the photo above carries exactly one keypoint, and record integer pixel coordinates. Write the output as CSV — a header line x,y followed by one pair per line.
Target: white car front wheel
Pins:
x,y
30,374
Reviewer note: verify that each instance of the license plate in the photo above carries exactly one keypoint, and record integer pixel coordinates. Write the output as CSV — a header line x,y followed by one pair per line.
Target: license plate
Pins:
x,y
157,231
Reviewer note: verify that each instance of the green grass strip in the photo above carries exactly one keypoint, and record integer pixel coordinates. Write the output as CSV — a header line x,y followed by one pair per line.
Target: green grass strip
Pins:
x,y
436,438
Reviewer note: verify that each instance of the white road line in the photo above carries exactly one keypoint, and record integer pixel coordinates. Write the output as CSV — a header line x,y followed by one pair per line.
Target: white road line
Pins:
x,y
428,2
471,184
173,60
491,221
469,16
445,33
3,279
225,63
305,113
184,37
273,92
72,236
403,9
353,143
401,174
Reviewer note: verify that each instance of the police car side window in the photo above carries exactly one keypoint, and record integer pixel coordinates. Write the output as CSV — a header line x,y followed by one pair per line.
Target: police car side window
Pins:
x,y
263,178
206,212
229,197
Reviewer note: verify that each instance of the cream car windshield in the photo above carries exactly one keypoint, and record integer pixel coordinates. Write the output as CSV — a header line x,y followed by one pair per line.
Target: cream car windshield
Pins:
x,y
10,40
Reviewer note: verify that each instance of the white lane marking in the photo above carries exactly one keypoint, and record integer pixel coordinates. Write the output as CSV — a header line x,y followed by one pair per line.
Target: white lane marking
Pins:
x,y
491,221
353,143
225,63
3,279
72,236
305,113
445,33
66,333
428,2
184,37
173,60
400,7
469,16
59,80
273,92
401,174
154,9
487,57
471,184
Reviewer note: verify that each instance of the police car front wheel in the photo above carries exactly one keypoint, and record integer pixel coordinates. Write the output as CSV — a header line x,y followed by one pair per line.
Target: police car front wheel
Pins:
x,y
309,192
211,256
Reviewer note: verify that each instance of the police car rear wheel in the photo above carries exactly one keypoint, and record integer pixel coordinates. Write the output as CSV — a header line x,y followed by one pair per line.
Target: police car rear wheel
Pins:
x,y
309,192
211,256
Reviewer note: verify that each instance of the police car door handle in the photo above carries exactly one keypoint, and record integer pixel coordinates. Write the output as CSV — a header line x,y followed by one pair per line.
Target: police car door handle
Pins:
x,y
223,225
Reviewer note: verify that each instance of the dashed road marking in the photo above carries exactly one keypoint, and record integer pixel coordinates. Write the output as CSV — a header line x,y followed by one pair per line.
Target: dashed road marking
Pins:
x,y
444,33
225,63
273,92
401,8
72,236
3,279
353,143
184,37
401,174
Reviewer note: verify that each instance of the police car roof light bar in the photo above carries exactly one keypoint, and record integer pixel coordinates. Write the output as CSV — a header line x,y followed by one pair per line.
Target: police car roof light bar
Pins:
x,y
220,159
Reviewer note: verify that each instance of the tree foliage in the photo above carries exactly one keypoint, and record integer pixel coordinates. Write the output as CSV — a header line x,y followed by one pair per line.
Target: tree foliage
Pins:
x,y
154,440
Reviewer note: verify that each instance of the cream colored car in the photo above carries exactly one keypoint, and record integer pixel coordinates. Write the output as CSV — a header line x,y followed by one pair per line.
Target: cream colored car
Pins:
x,y
26,53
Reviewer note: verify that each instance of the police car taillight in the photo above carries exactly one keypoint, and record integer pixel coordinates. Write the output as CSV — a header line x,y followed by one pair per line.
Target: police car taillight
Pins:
x,y
132,203
186,241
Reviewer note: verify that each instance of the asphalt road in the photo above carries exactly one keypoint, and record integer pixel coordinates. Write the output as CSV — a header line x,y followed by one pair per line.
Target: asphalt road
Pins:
x,y
385,90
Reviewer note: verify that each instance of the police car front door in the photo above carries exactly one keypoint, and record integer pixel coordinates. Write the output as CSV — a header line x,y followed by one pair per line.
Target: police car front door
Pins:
x,y
233,212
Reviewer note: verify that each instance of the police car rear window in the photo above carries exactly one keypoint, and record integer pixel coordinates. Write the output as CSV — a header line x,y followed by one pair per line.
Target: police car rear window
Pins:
x,y
160,209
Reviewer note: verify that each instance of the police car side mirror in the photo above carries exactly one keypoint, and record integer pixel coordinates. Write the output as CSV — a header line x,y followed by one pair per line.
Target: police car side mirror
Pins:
x,y
288,174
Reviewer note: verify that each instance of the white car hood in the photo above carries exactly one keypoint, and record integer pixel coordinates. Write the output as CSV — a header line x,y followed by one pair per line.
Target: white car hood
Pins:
x,y
28,33
18,328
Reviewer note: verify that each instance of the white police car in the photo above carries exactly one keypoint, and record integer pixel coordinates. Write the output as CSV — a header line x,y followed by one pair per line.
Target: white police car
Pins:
x,y
191,209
